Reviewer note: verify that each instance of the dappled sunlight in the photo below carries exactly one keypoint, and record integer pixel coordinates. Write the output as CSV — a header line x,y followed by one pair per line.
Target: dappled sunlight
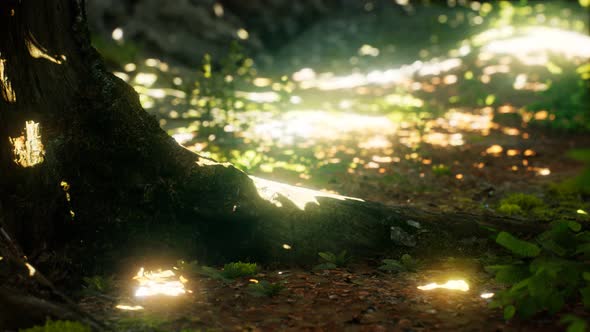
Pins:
x,y
28,150
160,282
274,192
293,125
327,81
536,43
128,307
487,295
459,285
39,52
8,93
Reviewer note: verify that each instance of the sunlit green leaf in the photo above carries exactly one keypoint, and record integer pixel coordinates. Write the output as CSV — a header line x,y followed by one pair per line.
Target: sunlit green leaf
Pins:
x,y
517,246
509,312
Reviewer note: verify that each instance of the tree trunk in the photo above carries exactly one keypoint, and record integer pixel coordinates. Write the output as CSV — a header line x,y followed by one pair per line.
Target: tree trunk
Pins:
x,y
111,179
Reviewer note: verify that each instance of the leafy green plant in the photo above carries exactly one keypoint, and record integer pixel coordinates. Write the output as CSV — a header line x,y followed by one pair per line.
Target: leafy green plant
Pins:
x,y
581,183
332,261
575,323
567,102
441,169
265,288
216,83
59,326
405,263
546,273
98,284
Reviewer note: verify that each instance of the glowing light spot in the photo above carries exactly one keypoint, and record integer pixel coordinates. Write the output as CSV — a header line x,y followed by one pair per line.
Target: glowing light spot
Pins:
x,y
459,285
117,34
28,150
295,100
304,74
151,62
494,149
459,176
286,246
543,171
254,281
512,152
487,295
511,131
146,79
368,50
529,153
262,82
129,307
260,97
158,283
130,67
541,115
32,270
242,34
218,9
580,211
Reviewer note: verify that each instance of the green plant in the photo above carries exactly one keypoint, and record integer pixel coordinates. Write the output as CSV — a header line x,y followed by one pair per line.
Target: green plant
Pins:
x,y
575,323
519,203
510,209
265,288
59,326
405,263
215,86
239,269
98,284
567,101
332,261
545,274
441,169
580,183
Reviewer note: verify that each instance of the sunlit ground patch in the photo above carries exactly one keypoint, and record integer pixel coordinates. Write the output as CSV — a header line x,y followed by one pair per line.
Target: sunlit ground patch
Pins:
x,y
487,295
129,307
459,285
153,283
294,125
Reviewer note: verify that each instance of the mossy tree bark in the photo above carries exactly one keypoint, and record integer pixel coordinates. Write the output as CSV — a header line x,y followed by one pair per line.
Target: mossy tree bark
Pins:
x,y
132,186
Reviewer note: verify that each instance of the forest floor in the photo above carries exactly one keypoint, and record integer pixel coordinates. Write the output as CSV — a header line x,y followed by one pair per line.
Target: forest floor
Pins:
x,y
360,297
456,137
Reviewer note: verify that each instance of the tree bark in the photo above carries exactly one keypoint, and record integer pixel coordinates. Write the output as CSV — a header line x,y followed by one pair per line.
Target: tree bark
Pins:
x,y
132,186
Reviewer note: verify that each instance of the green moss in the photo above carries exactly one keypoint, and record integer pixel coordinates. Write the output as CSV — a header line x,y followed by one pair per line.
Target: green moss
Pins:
x,y
510,209
59,326
524,201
